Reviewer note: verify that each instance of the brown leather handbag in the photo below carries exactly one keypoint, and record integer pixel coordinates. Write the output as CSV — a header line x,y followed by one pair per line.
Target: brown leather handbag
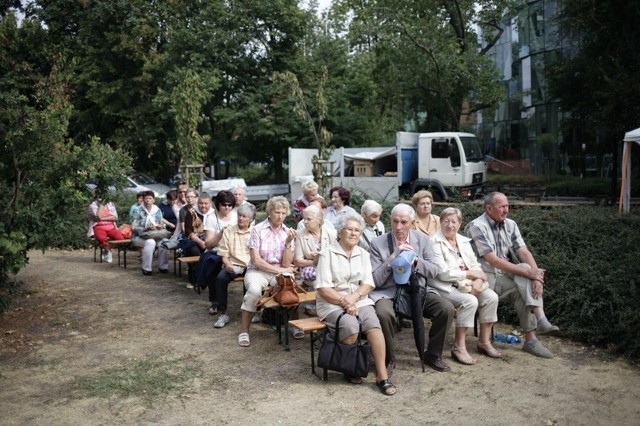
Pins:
x,y
286,291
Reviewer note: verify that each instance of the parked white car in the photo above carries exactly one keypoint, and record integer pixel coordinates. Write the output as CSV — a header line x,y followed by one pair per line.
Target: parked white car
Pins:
x,y
138,182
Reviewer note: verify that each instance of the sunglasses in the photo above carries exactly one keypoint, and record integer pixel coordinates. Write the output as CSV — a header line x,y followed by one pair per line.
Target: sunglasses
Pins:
x,y
226,204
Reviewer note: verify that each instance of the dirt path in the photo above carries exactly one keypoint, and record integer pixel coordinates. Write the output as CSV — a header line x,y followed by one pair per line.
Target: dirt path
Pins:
x,y
96,344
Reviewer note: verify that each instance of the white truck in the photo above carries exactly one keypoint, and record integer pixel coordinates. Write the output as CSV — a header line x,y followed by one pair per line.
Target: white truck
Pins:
x,y
446,163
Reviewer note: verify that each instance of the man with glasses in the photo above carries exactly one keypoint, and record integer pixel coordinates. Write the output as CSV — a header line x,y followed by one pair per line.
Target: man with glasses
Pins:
x,y
182,193
190,201
401,243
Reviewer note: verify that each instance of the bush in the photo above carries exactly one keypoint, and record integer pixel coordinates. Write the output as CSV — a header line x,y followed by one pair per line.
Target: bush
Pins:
x,y
591,258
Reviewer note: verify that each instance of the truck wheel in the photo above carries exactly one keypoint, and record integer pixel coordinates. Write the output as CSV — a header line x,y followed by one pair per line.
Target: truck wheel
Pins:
x,y
436,196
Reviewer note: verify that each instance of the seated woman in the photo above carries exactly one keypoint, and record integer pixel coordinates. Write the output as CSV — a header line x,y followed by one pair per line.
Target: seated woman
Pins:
x,y
102,224
343,282
234,250
320,202
310,241
169,217
193,243
340,199
223,217
463,282
148,217
371,212
271,247
138,203
426,222
309,193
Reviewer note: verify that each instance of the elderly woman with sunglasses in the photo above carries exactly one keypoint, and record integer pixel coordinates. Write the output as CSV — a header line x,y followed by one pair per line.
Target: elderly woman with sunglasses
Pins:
x,y
463,283
210,263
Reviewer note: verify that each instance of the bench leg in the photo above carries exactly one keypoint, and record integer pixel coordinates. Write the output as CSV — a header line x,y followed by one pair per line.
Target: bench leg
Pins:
x,y
282,314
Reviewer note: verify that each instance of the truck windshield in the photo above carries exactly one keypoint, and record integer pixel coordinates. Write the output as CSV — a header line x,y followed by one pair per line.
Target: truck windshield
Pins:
x,y
471,149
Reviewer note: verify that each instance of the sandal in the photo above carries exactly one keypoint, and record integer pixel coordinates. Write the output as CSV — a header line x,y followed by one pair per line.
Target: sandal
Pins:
x,y
386,387
488,350
297,333
462,359
213,310
243,339
353,379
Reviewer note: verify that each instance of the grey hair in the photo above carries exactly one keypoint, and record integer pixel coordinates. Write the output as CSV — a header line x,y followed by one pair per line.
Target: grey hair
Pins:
x,y
239,188
278,201
451,211
351,217
308,186
370,207
247,209
490,198
404,208
204,196
316,212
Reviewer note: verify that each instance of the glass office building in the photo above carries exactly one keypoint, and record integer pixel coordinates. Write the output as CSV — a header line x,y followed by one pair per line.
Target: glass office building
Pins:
x,y
512,132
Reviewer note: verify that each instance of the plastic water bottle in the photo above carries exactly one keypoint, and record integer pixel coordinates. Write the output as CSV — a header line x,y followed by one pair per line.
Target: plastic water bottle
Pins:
x,y
506,338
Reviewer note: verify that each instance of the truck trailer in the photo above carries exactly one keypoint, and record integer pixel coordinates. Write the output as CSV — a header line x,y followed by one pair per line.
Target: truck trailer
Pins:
x,y
449,164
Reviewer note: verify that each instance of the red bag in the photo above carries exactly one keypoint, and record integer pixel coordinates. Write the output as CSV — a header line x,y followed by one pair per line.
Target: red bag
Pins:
x,y
125,230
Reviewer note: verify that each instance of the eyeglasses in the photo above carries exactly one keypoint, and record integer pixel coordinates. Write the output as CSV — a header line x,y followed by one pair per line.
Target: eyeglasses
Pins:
x,y
190,196
182,192
450,222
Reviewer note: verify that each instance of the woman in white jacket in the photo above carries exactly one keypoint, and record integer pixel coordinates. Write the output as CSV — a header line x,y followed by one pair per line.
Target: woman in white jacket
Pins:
x,y
463,282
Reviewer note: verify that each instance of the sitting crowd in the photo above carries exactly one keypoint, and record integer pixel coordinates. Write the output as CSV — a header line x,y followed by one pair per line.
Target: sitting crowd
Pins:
x,y
353,264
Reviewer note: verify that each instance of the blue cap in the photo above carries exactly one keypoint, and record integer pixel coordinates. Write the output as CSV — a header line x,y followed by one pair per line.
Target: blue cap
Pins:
x,y
401,266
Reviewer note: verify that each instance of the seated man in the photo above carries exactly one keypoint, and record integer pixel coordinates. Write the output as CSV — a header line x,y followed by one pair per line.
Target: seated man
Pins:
x,y
437,308
511,270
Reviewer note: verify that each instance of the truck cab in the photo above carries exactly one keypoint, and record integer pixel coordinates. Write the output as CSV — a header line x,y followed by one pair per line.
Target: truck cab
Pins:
x,y
446,163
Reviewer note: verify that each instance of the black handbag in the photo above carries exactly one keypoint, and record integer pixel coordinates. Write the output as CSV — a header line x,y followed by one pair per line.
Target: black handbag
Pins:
x,y
402,302
410,298
352,360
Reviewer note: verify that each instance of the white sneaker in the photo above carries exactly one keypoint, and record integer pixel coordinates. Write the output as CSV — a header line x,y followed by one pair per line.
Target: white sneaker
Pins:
x,y
109,257
189,285
257,317
222,321
103,257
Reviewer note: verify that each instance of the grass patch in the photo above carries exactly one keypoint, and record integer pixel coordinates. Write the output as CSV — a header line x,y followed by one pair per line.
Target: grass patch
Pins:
x,y
150,379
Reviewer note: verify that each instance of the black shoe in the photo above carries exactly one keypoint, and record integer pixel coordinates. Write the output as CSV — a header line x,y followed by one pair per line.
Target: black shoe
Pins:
x,y
146,272
436,363
163,271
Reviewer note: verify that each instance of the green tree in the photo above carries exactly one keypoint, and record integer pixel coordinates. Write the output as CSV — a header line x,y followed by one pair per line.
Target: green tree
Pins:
x,y
42,173
429,56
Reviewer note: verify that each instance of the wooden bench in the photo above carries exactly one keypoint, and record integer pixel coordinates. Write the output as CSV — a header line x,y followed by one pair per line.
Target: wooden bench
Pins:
x,y
120,245
312,326
187,260
282,316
